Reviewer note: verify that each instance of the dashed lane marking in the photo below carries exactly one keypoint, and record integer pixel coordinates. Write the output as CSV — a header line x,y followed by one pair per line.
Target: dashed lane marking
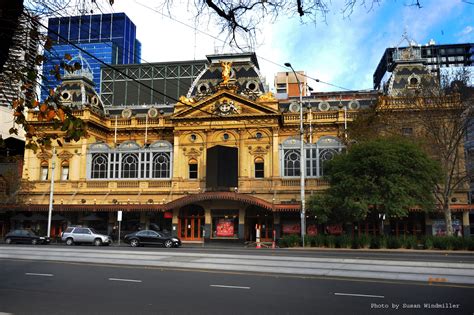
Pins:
x,y
39,274
360,295
228,286
125,280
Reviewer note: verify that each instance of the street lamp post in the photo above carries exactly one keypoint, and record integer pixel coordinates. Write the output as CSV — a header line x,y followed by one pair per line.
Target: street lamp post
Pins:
x,y
302,158
51,192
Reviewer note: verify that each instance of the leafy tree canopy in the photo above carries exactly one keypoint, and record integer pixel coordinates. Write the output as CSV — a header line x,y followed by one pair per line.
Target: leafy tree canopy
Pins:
x,y
387,176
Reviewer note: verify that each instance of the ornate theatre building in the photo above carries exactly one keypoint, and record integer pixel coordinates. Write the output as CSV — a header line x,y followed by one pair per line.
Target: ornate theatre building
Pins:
x,y
211,165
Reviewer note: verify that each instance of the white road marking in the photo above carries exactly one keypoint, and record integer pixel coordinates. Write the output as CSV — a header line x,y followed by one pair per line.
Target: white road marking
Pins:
x,y
125,280
229,286
39,274
361,295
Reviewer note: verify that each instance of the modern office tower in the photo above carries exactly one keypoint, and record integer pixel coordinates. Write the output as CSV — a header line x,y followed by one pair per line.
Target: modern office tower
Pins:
x,y
21,55
109,37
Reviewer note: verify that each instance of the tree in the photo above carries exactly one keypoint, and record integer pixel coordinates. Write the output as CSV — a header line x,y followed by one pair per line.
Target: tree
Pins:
x,y
383,176
436,117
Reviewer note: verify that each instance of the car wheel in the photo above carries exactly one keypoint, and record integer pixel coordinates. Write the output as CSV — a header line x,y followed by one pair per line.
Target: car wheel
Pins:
x,y
69,241
34,241
8,240
97,242
134,243
168,244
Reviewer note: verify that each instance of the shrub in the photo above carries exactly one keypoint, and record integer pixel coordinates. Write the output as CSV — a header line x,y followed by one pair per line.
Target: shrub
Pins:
x,y
319,240
458,243
343,241
428,242
393,242
409,242
470,243
330,241
289,241
442,242
377,242
361,241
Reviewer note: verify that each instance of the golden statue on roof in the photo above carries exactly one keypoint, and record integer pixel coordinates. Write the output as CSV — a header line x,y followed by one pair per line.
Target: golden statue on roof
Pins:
x,y
226,68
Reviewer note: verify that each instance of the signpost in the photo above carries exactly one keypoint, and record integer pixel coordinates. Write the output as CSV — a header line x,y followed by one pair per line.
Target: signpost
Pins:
x,y
119,219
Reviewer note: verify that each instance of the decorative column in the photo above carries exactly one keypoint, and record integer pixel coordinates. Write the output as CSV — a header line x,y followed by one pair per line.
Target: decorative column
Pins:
x,y
207,224
174,222
242,223
466,226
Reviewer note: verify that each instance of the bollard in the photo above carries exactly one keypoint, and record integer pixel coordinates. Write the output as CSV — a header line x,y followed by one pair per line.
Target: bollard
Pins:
x,y
274,239
258,236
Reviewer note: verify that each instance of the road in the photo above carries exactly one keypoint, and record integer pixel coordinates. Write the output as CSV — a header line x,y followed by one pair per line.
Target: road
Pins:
x,y
288,263
32,287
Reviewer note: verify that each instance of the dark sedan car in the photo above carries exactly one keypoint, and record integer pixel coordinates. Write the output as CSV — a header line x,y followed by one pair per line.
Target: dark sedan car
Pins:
x,y
149,237
25,237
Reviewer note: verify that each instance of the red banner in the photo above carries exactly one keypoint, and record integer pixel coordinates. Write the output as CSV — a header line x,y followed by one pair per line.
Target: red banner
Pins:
x,y
225,228
335,229
312,230
168,215
291,228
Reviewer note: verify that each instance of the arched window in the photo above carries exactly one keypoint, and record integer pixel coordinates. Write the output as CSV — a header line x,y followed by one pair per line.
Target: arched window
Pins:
x,y
292,162
99,165
65,170
161,165
44,170
259,168
328,147
193,169
129,165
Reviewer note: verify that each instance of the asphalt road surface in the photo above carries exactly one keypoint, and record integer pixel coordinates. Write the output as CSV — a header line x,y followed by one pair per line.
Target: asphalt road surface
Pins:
x,y
32,287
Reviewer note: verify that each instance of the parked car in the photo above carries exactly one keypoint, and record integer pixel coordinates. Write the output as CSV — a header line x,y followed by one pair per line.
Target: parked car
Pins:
x,y
149,237
78,235
25,237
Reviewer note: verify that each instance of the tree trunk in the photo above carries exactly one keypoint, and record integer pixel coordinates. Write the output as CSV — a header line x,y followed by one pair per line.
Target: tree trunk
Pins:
x,y
447,219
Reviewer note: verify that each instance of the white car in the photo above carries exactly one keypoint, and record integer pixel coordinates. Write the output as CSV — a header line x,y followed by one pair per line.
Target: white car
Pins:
x,y
77,235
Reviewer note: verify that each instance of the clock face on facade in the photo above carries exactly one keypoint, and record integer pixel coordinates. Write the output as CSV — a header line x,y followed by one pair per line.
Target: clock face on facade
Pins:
x,y
224,108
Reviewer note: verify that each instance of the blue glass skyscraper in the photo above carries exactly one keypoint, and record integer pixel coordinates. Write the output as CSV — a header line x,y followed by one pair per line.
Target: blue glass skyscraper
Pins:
x,y
109,37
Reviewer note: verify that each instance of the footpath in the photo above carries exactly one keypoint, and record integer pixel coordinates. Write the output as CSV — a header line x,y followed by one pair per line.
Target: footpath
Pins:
x,y
264,263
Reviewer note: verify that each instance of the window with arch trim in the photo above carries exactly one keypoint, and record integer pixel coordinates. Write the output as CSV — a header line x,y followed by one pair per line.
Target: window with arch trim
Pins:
x,y
44,170
130,161
193,169
65,170
259,167
316,155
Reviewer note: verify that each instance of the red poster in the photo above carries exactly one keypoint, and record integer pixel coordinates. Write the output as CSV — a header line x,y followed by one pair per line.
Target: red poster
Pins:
x,y
312,230
168,215
225,228
291,228
335,229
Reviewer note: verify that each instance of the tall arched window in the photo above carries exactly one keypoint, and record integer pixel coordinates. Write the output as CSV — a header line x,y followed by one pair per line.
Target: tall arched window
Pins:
x,y
193,169
129,165
259,168
161,165
99,165
292,162
328,147
44,170
65,170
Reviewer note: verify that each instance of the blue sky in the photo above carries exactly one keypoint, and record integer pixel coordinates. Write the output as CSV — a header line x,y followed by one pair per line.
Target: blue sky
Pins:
x,y
343,51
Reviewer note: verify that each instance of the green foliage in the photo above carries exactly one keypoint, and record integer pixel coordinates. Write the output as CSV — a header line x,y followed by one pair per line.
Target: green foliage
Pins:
x,y
330,241
378,242
381,176
290,241
393,242
409,242
361,241
316,240
428,242
343,241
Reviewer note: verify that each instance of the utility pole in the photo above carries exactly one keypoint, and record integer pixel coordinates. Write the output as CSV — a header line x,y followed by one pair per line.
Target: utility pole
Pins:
x,y
51,193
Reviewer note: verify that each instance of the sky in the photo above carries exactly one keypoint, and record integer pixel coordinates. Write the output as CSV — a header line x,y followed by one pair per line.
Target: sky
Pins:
x,y
342,51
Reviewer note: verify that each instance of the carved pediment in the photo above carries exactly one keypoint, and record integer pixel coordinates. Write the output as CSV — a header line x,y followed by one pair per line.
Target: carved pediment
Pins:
x,y
65,155
192,152
223,104
44,155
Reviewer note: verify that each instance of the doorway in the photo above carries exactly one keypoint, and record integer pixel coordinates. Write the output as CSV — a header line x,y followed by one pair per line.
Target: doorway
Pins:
x,y
191,223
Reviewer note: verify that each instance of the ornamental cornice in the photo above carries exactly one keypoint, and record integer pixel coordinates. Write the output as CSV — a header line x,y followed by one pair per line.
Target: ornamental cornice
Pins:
x,y
44,155
65,155
258,150
192,152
